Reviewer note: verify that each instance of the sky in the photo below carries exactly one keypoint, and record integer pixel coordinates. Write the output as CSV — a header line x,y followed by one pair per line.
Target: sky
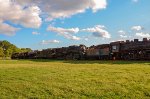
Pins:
x,y
41,24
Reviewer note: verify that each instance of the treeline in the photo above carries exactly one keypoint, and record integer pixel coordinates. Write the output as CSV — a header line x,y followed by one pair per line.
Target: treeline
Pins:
x,y
7,49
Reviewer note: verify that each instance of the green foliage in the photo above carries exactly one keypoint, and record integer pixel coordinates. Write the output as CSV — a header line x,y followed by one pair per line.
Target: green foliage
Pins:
x,y
1,52
7,49
26,50
47,79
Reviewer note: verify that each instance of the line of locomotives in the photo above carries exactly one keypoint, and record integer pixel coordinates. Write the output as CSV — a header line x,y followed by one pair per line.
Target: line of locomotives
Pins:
x,y
119,50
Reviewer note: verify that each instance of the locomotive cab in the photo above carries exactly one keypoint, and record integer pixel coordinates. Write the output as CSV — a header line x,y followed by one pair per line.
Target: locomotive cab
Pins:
x,y
115,50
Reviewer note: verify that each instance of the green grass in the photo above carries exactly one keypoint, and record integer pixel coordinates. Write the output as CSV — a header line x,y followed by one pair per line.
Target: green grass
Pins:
x,y
48,79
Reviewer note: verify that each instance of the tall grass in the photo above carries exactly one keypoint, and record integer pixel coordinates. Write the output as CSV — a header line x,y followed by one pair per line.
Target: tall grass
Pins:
x,y
74,79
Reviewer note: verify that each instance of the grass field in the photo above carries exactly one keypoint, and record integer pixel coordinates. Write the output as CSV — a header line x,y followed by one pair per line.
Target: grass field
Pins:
x,y
74,79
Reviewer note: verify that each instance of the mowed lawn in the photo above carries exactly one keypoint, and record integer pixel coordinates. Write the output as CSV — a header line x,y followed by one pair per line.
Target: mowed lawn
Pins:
x,y
46,79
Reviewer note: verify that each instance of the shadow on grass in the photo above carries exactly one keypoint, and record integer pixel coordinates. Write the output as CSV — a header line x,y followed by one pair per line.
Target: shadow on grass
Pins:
x,y
107,62
89,61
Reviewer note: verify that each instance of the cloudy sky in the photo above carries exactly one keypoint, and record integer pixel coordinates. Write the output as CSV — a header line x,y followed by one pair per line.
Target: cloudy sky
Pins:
x,y
39,24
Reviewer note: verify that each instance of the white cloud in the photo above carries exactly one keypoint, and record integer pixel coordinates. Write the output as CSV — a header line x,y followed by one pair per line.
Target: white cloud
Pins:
x,y
7,29
137,28
67,33
26,16
27,12
143,35
63,30
46,42
17,14
123,36
98,31
35,33
64,8
98,4
86,39
121,32
74,38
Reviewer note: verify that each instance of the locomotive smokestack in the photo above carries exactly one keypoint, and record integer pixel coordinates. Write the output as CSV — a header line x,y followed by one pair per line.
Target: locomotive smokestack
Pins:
x,y
144,39
136,40
127,41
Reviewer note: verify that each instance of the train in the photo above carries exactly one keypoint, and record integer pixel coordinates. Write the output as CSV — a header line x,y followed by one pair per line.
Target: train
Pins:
x,y
119,50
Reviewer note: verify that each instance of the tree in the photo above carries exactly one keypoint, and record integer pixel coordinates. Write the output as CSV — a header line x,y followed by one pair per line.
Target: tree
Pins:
x,y
7,49
26,50
1,52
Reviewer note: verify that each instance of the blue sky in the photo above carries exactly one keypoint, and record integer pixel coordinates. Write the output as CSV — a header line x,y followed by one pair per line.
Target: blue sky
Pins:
x,y
35,25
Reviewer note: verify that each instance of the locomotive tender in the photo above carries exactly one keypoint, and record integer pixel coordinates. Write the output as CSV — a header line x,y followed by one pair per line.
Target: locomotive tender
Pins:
x,y
119,50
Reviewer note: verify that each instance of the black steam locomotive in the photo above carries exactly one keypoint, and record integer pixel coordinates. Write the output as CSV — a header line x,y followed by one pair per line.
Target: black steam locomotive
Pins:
x,y
119,50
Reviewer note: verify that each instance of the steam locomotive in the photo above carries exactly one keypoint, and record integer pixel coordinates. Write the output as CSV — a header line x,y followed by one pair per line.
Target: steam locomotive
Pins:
x,y
119,50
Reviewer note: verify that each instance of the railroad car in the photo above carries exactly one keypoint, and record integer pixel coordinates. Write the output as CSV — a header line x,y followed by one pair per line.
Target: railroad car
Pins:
x,y
119,50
